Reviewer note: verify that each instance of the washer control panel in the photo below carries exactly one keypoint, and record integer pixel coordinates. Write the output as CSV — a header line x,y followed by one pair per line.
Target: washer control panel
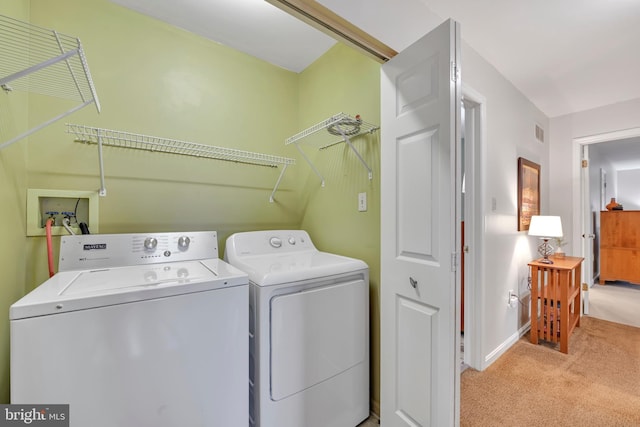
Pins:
x,y
89,251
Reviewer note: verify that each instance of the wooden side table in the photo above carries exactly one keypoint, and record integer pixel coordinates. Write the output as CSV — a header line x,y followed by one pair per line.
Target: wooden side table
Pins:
x,y
555,300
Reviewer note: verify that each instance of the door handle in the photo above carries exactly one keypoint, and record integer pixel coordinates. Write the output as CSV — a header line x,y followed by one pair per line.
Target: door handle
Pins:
x,y
414,282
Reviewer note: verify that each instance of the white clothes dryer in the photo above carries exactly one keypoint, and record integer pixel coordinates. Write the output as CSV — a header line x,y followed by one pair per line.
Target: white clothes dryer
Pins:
x,y
308,331
136,330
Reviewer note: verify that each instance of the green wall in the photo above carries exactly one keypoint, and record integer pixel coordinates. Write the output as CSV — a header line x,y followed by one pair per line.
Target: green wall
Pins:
x,y
345,81
158,80
155,79
13,185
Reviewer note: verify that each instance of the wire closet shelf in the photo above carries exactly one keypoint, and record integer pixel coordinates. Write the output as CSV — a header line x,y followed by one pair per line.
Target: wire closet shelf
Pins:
x,y
341,125
114,138
43,61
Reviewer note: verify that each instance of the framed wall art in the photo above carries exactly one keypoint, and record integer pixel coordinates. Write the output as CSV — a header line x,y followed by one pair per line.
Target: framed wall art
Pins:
x,y
528,192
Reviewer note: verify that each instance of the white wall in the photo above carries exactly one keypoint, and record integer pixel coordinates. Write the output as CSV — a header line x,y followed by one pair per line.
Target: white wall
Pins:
x,y
628,189
565,191
509,134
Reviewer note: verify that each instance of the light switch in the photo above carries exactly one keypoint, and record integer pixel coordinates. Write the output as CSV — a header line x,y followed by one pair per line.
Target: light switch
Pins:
x,y
362,202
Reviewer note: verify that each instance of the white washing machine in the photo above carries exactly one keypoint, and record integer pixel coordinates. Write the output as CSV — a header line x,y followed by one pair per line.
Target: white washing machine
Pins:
x,y
143,330
308,330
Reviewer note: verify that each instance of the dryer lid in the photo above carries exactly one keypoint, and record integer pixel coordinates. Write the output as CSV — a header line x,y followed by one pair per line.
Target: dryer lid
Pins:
x,y
273,257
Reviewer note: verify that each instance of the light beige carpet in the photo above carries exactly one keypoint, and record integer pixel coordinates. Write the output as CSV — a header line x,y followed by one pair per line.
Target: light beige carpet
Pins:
x,y
616,301
596,384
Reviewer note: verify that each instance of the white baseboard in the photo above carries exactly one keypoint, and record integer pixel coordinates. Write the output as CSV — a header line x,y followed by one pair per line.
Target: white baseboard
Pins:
x,y
506,345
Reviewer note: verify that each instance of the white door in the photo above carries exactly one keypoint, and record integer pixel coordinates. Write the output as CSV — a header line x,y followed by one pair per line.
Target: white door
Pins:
x,y
587,218
420,94
588,235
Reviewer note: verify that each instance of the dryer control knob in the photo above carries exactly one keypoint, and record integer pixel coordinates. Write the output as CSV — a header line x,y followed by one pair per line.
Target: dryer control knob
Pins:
x,y
183,242
276,242
292,240
150,243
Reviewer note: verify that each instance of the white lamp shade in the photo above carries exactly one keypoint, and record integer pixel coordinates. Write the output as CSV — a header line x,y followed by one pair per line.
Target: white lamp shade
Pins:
x,y
545,226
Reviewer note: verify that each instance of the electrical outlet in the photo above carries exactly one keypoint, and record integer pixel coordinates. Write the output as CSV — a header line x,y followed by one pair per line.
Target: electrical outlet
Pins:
x,y
362,202
513,299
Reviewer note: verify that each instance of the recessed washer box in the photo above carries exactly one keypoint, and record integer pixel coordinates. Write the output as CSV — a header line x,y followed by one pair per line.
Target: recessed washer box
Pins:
x,y
78,206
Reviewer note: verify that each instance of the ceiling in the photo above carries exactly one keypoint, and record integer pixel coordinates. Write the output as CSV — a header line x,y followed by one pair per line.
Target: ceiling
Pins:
x,y
251,26
565,56
622,154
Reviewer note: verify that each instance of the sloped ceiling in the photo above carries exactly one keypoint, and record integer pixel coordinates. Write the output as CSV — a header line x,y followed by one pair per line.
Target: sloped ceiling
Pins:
x,y
251,26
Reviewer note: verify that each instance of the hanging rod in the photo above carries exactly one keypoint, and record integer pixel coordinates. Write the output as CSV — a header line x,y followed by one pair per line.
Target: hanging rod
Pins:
x,y
342,125
115,138
43,61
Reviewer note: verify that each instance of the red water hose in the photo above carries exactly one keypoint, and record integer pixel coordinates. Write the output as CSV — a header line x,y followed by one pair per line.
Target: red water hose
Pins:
x,y
49,247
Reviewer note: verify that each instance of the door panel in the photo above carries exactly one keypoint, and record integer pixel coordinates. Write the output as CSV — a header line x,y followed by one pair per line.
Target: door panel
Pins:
x,y
420,112
413,365
414,90
417,175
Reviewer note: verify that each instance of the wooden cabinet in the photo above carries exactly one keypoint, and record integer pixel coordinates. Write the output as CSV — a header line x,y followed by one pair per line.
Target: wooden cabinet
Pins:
x,y
555,300
620,246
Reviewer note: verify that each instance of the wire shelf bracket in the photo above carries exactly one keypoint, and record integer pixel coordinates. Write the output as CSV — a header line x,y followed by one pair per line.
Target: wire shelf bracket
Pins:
x,y
106,137
341,125
43,61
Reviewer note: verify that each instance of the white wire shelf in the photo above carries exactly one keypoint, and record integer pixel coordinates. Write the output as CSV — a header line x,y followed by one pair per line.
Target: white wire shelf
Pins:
x,y
43,61
114,138
342,128
317,134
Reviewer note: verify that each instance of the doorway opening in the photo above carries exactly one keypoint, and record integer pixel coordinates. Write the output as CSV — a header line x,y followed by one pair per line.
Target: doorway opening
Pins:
x,y
600,158
587,206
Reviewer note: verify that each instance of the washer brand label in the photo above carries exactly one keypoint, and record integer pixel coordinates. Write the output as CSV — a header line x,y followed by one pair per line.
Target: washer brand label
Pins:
x,y
94,246
34,415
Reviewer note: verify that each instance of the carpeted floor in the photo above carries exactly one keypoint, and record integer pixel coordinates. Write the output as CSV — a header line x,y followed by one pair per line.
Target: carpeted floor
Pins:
x,y
616,301
596,384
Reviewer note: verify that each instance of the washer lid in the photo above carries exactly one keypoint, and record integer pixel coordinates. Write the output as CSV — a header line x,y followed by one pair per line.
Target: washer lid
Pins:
x,y
266,270
83,289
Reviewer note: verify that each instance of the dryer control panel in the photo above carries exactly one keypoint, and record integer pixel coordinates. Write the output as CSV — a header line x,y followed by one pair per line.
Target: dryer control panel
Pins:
x,y
269,242
89,251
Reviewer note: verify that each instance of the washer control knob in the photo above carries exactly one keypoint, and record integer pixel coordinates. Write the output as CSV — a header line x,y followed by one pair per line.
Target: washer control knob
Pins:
x,y
292,240
150,243
276,242
183,242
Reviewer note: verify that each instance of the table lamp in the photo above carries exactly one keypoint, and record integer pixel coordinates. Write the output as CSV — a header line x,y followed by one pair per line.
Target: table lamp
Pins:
x,y
545,227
